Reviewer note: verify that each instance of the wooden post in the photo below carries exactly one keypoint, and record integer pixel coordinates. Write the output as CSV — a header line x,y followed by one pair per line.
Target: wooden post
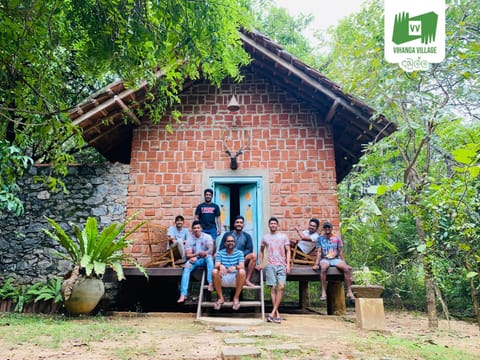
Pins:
x,y
304,297
336,298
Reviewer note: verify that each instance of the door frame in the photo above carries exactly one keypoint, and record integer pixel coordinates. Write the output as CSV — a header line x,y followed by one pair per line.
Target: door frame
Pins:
x,y
257,177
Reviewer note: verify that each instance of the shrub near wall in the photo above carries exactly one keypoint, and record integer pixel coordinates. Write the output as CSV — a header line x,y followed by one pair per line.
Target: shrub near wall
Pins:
x,y
25,252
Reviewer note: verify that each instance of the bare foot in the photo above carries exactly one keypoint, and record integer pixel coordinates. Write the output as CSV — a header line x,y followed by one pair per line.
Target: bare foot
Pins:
x,y
315,267
181,299
249,283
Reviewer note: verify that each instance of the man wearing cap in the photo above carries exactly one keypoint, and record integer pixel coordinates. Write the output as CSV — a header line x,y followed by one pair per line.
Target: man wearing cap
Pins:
x,y
330,253
208,213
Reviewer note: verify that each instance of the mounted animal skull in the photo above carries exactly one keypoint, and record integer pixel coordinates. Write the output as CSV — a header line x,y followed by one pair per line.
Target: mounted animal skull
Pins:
x,y
233,158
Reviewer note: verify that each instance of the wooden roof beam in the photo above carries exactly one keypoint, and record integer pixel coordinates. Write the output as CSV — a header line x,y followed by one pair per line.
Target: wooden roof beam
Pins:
x,y
127,110
301,75
331,112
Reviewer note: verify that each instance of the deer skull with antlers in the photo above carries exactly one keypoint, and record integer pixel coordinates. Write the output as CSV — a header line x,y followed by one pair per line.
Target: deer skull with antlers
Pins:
x,y
233,158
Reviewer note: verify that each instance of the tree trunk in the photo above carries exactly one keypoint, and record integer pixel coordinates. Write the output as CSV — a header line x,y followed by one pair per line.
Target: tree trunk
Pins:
x,y
473,293
429,280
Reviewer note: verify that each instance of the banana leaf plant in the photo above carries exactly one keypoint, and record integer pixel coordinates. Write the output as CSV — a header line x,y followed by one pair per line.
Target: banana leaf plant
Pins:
x,y
93,250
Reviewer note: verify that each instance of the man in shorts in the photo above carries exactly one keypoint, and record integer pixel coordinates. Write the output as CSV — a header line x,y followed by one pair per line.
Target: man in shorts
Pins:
x,y
244,243
229,271
330,253
277,248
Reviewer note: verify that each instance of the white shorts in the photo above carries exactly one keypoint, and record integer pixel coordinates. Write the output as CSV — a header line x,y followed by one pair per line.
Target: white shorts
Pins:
x,y
229,279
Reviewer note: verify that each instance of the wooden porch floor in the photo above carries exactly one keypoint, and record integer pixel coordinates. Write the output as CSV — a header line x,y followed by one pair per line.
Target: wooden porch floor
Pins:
x,y
162,276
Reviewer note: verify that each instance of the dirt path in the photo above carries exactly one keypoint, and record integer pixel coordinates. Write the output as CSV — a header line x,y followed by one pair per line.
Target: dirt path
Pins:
x,y
178,336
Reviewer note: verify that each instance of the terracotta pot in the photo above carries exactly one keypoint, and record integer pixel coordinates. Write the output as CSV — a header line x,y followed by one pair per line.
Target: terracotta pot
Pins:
x,y
86,293
367,291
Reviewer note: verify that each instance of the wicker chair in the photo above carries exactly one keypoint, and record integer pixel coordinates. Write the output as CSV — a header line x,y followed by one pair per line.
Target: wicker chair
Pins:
x,y
299,257
161,254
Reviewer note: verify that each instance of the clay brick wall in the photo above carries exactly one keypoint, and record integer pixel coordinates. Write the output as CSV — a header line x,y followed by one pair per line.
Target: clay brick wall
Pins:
x,y
286,137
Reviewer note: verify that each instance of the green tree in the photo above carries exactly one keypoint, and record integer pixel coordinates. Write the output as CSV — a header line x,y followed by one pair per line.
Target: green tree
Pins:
x,y
417,160
286,30
56,53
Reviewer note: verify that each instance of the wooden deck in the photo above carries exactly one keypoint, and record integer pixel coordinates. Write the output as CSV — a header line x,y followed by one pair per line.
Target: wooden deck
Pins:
x,y
300,273
297,273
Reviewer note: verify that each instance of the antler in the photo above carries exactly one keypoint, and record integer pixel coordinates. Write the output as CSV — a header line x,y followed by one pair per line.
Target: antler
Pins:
x,y
225,145
233,158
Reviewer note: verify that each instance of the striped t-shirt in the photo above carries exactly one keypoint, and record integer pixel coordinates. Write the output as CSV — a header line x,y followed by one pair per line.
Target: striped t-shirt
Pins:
x,y
229,260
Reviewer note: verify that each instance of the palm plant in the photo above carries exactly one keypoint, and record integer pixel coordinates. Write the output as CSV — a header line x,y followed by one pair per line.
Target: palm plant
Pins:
x,y
93,251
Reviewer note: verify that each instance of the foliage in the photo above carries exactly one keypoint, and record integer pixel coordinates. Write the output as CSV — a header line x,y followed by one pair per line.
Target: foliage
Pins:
x,y
424,178
365,276
51,290
54,54
93,251
286,30
8,290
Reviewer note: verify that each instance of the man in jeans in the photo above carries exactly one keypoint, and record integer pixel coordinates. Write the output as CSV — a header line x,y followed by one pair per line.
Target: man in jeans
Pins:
x,y
199,253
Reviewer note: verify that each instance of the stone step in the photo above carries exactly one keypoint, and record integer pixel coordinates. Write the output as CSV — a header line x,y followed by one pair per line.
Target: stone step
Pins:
x,y
237,353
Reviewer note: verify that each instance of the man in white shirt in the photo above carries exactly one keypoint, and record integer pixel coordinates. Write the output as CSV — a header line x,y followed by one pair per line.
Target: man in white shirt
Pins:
x,y
308,238
177,237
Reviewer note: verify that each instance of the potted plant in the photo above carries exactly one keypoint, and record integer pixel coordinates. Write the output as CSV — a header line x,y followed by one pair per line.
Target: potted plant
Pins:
x,y
366,283
91,251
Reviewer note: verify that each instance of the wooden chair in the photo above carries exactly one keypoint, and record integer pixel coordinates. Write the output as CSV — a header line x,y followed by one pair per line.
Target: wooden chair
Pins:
x,y
160,253
299,257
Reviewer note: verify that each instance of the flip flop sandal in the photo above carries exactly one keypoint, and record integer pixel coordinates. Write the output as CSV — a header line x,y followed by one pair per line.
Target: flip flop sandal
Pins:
x,y
269,318
277,320
323,298
236,305
218,305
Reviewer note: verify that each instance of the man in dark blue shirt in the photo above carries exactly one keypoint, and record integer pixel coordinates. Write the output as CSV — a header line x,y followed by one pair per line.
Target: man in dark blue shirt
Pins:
x,y
208,213
244,243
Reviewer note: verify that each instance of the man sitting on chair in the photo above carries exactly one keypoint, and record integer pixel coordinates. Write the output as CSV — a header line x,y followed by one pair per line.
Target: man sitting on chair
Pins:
x,y
177,238
308,238
229,272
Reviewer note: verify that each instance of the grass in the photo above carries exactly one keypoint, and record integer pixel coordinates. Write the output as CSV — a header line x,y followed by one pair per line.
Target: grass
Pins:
x,y
119,338
397,348
53,331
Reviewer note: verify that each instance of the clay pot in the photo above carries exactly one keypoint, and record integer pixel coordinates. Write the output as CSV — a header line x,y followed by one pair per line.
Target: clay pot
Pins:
x,y
367,291
86,294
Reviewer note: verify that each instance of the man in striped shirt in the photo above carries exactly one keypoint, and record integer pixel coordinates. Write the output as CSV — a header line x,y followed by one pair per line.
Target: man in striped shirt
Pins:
x,y
229,271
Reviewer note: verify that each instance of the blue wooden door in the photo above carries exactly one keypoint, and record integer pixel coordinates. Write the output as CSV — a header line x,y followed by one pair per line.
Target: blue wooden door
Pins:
x,y
248,209
222,199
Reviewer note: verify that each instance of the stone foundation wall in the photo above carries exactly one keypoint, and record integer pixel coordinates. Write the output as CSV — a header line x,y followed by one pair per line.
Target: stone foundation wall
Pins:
x,y
26,253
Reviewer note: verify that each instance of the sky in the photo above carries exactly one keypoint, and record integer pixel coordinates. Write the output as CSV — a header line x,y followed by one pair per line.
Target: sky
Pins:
x,y
326,12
